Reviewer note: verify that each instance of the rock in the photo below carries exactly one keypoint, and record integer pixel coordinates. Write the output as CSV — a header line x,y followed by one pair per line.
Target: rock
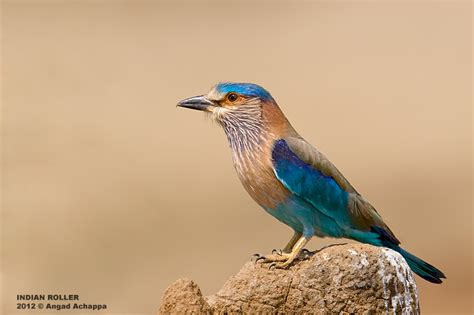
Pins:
x,y
352,278
183,296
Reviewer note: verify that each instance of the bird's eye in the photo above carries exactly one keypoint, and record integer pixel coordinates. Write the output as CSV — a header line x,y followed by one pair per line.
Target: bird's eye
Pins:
x,y
232,97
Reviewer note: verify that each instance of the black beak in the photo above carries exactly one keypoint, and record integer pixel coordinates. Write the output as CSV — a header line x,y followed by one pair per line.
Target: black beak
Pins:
x,y
197,103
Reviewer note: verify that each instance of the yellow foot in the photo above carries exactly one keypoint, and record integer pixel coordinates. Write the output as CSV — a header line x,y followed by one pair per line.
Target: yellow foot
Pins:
x,y
276,260
281,260
273,257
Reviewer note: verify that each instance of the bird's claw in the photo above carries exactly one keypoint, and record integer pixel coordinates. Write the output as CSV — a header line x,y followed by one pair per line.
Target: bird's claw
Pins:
x,y
306,254
260,258
257,257
277,252
276,265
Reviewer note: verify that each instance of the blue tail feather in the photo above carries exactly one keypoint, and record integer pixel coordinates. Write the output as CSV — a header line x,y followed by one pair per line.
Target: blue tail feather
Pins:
x,y
379,237
421,267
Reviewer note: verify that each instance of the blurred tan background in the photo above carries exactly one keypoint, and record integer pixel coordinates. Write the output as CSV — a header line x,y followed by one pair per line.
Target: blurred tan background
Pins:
x,y
111,192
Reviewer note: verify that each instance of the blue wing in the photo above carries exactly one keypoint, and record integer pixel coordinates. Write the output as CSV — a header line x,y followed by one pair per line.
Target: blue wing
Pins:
x,y
308,174
310,183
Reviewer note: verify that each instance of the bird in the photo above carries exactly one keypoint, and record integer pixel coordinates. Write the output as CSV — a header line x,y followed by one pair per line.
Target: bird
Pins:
x,y
291,180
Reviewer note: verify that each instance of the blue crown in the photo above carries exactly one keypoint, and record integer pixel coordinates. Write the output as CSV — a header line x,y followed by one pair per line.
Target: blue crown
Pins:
x,y
245,89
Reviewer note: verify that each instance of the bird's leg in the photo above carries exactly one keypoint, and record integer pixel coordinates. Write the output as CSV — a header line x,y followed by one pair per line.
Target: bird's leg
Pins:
x,y
290,257
292,242
284,259
280,255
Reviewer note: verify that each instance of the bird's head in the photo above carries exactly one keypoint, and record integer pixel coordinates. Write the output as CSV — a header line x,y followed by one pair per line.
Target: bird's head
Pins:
x,y
247,113
225,98
237,104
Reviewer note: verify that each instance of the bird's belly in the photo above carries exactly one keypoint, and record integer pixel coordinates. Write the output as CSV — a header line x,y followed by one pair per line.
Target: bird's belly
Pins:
x,y
304,218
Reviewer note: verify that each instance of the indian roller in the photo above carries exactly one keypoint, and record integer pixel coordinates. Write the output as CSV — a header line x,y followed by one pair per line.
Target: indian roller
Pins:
x,y
292,180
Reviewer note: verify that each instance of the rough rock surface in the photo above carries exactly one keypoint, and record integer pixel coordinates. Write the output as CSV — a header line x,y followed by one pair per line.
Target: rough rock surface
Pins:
x,y
353,278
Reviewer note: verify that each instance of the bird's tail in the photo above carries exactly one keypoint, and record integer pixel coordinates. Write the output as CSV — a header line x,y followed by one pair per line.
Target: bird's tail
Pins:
x,y
421,267
379,237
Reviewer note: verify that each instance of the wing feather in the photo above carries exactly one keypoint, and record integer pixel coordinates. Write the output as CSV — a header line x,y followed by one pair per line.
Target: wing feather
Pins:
x,y
306,172
310,155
